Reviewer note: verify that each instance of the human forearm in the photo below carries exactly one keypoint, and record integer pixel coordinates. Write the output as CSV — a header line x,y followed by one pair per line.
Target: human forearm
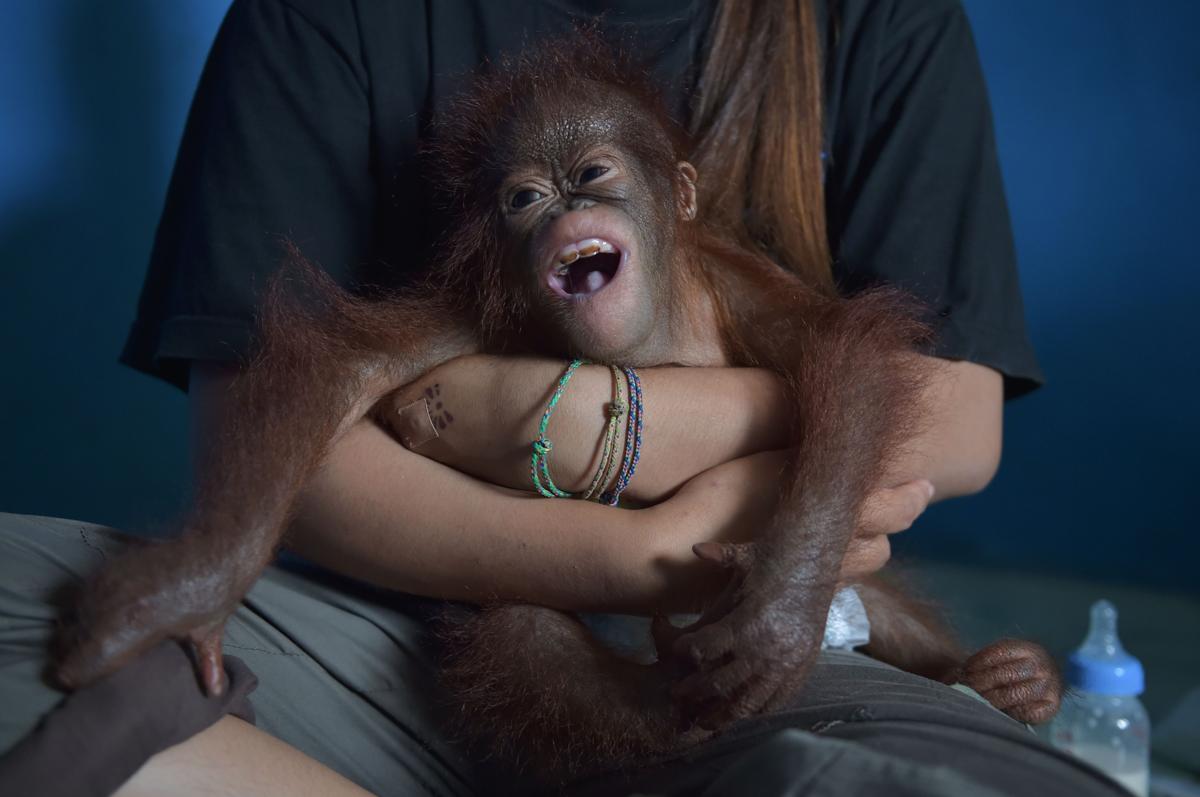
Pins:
x,y
380,513
377,512
958,441
695,419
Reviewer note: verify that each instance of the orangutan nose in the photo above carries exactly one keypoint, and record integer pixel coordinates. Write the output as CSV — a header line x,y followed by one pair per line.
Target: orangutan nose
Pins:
x,y
581,203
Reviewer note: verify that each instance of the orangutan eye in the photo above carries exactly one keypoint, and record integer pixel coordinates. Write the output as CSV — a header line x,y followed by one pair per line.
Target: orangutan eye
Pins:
x,y
591,173
526,198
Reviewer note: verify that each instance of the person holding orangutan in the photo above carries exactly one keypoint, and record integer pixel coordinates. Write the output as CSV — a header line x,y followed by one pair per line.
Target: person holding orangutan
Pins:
x,y
306,124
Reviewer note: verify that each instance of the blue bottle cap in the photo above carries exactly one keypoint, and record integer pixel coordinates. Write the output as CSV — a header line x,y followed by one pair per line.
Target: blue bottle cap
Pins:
x,y
1101,665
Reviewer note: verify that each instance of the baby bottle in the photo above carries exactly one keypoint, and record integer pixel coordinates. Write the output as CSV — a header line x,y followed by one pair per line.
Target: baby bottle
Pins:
x,y
1102,721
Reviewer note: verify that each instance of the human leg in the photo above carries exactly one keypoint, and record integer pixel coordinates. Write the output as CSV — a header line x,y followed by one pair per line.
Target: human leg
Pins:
x,y
344,674
859,723
98,737
235,758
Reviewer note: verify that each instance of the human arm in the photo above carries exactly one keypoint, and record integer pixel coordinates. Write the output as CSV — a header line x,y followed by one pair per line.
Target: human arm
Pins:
x,y
462,539
495,403
269,442
378,512
696,418
487,410
356,518
958,442
263,440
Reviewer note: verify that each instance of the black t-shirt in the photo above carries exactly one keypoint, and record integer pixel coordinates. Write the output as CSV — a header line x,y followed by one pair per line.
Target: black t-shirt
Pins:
x,y
307,118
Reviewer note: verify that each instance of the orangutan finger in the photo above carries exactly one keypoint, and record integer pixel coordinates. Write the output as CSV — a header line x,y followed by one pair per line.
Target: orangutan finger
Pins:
x,y
1013,672
1014,694
704,648
664,633
1005,650
737,556
210,664
719,684
746,701
1034,713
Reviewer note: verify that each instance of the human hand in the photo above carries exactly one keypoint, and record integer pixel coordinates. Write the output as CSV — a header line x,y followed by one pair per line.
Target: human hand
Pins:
x,y
886,511
734,501
182,589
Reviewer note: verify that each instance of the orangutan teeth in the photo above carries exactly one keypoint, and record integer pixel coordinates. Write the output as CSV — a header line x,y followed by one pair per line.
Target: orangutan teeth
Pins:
x,y
573,278
585,248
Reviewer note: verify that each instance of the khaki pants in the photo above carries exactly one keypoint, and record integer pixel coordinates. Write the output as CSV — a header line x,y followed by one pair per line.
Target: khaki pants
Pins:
x,y
346,675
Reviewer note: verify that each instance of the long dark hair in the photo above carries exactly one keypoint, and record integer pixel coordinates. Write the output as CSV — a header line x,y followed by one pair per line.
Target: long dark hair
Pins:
x,y
756,121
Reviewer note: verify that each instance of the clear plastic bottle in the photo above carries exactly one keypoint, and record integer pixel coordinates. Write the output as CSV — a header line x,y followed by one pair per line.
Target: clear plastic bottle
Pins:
x,y
1102,721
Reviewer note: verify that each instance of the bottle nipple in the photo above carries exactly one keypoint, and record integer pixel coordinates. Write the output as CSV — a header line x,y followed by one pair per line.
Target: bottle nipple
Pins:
x,y
1101,664
1102,640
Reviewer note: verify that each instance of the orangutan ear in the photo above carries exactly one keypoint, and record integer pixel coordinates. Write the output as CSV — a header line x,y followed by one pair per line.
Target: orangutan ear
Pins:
x,y
686,188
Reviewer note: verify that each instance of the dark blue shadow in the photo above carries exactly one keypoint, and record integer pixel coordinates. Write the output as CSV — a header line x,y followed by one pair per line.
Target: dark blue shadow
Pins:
x,y
1096,117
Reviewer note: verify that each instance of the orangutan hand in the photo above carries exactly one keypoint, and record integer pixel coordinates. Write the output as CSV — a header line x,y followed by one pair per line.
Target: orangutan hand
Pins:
x,y
1016,676
181,589
748,652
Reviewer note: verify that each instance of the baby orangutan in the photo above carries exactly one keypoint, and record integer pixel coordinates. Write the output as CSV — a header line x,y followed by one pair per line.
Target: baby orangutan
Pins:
x,y
539,158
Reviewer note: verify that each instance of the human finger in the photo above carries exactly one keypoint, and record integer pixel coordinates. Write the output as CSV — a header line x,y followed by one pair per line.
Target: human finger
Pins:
x,y
892,509
864,556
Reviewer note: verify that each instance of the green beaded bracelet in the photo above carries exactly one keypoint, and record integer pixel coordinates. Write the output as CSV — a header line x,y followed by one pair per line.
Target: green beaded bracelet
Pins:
x,y
539,463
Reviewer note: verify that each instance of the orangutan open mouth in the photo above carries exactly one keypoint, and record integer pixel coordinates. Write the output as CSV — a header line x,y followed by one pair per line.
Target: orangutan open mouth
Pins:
x,y
585,267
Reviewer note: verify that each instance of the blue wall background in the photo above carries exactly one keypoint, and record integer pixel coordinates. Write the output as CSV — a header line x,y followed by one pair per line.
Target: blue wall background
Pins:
x,y
1097,118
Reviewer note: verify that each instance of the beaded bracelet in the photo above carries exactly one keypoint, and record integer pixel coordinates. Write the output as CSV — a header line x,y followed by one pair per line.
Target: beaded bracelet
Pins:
x,y
614,462
539,463
633,440
608,453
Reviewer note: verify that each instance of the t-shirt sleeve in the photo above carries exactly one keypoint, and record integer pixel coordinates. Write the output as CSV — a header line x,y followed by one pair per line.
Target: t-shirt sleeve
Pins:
x,y
276,146
913,186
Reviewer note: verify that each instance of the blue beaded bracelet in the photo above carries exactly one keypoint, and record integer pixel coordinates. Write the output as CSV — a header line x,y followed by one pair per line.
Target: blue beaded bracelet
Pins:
x,y
633,440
